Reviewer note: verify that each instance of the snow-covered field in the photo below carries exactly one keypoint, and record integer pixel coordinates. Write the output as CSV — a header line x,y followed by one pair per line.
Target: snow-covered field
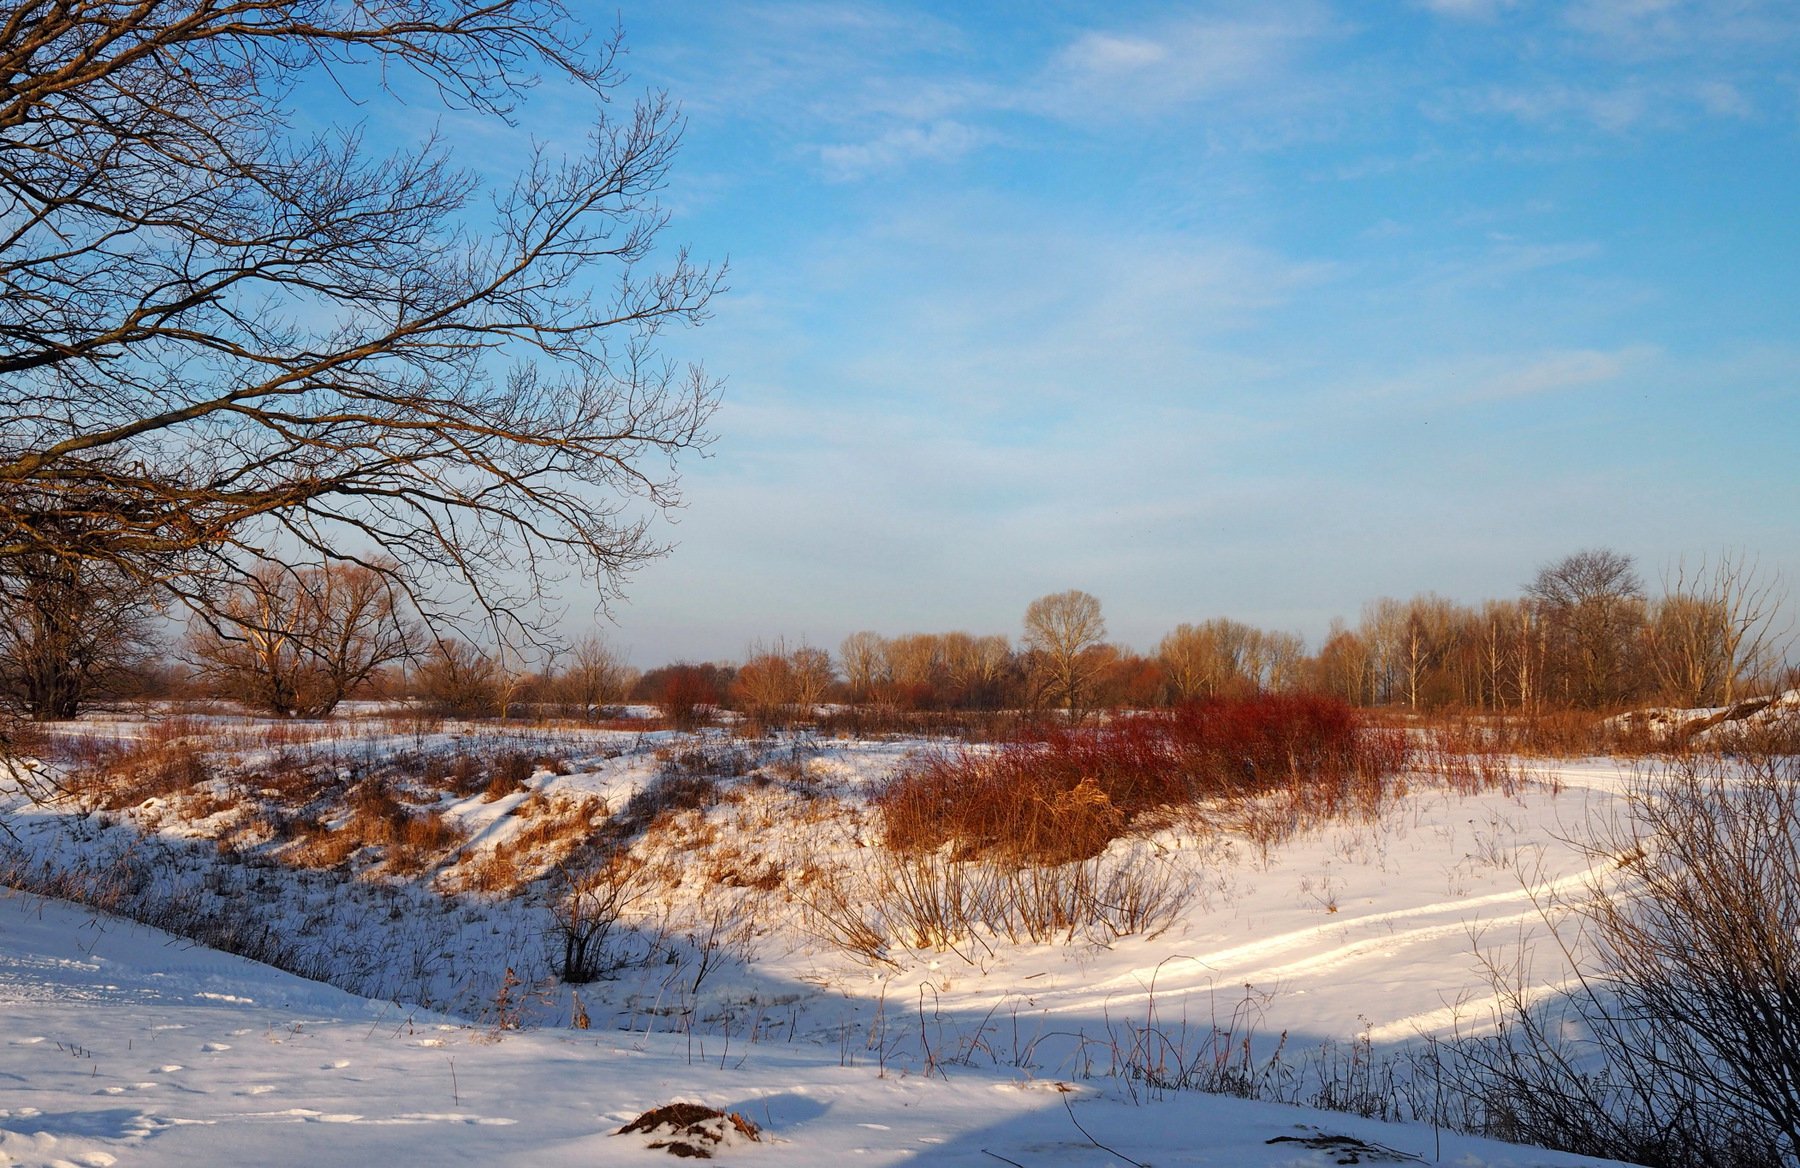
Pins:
x,y
1319,956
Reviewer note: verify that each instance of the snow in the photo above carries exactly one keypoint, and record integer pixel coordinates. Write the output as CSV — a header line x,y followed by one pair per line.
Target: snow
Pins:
x,y
122,1044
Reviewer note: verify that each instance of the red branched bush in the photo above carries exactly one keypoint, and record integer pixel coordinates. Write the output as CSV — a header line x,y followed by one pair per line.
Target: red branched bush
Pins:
x,y
687,693
1066,793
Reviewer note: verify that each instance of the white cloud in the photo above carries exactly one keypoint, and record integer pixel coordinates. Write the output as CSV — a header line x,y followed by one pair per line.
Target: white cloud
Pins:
x,y
1613,109
1107,74
941,141
1100,53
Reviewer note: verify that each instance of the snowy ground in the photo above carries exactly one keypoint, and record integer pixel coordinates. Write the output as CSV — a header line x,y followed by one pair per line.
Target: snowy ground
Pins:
x,y
122,1045
1334,948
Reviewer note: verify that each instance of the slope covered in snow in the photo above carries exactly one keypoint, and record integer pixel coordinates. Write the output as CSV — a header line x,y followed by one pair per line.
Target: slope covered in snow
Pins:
x,y
1306,966
122,1045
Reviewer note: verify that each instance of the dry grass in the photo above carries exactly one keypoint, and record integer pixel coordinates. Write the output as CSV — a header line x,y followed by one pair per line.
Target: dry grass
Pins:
x,y
552,830
1546,733
404,840
1471,767
930,901
157,768
507,775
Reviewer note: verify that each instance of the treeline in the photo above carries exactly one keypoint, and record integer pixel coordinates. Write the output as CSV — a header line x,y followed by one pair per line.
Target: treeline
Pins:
x,y
1585,633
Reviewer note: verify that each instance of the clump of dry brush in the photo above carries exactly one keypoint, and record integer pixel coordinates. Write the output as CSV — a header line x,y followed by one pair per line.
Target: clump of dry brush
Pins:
x,y
1676,1043
1065,793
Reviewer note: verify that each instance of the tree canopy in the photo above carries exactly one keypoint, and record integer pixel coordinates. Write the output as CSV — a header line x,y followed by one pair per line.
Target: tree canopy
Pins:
x,y
224,340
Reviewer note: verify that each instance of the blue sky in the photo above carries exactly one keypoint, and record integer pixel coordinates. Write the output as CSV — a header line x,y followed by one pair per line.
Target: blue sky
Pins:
x,y
1256,310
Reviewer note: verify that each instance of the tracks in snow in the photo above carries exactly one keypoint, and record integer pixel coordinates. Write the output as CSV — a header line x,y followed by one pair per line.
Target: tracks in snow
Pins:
x,y
1370,948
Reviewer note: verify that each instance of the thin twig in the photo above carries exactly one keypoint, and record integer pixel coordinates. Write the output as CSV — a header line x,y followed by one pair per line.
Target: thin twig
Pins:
x,y
1070,1108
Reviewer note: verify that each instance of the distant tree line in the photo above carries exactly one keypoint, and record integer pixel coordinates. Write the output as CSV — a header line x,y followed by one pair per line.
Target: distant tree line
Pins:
x,y
1585,633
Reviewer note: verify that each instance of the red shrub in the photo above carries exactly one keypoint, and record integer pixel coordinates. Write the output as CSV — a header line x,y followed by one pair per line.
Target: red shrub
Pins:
x,y
1066,793
687,694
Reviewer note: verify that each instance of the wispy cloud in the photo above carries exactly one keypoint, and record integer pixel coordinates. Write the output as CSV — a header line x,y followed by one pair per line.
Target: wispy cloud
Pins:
x,y
1005,304
1481,10
940,141
1650,29
1626,66
1626,105
1558,372
1615,108
1723,99
797,65
1146,71
1500,264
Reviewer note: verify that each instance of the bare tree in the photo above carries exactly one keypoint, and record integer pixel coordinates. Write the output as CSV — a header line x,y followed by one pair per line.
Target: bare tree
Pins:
x,y
598,676
862,655
1592,605
915,670
1500,637
1382,630
764,687
458,679
1282,653
813,675
777,685
975,668
297,641
1685,645
223,339
71,630
926,670
1210,659
1427,639
1718,627
1342,666
1059,629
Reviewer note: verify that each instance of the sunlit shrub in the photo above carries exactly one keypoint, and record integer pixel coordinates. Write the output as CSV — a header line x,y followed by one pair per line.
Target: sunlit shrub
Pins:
x,y
1065,793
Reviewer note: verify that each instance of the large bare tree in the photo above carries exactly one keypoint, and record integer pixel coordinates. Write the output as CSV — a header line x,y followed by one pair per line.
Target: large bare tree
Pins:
x,y
862,655
1592,605
71,631
1059,630
224,340
299,641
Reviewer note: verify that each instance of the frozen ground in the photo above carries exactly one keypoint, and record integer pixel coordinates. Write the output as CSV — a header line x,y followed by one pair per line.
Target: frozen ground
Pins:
x,y
1325,953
